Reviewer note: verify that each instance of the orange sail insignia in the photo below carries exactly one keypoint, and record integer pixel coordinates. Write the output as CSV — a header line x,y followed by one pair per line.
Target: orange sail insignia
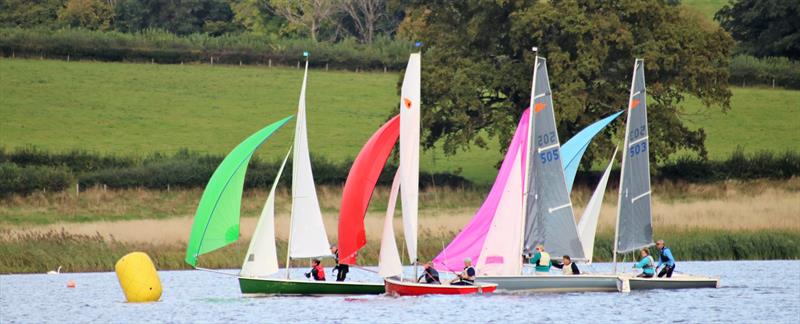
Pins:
x,y
538,107
634,103
407,102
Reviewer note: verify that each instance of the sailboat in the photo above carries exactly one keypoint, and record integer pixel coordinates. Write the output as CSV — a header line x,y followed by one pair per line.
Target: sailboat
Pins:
x,y
406,185
307,236
509,221
634,228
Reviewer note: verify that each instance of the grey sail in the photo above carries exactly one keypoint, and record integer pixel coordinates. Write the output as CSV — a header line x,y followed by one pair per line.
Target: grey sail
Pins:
x,y
634,222
549,220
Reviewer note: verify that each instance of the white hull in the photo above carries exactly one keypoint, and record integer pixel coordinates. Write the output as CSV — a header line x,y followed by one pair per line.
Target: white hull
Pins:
x,y
681,281
555,283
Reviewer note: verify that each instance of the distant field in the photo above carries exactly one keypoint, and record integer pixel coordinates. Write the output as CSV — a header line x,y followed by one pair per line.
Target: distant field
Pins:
x,y
707,7
136,109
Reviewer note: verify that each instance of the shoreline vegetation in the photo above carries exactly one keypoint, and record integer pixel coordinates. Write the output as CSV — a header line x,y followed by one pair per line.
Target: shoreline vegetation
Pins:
x,y
756,219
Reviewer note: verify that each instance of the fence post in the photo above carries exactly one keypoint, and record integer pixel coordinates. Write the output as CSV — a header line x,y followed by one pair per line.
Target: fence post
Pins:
x,y
240,62
13,54
168,187
384,69
68,61
212,60
326,66
773,83
152,61
270,63
298,65
77,189
105,187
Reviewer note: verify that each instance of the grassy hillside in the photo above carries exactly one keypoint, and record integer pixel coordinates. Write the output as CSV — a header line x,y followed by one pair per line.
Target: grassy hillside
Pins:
x,y
136,109
707,7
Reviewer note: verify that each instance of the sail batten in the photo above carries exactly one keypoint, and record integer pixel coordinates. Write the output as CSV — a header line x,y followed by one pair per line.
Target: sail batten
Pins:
x,y
634,219
549,218
216,221
307,238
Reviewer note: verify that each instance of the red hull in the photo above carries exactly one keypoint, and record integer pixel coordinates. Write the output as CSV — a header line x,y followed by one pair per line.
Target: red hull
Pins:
x,y
403,288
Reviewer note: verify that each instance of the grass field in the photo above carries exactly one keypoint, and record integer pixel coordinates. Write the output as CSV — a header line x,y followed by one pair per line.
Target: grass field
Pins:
x,y
136,109
707,7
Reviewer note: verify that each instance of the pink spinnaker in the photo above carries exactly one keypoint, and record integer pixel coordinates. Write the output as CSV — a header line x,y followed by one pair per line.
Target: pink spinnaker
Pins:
x,y
503,201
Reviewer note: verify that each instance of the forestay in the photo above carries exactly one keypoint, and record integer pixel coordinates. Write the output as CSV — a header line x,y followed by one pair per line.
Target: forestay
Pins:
x,y
549,220
634,222
409,151
216,221
262,258
307,237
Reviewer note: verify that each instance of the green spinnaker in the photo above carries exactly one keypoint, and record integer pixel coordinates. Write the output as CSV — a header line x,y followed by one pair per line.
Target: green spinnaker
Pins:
x,y
216,222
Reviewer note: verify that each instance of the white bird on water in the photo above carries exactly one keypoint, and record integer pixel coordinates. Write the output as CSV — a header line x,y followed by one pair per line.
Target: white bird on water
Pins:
x,y
58,271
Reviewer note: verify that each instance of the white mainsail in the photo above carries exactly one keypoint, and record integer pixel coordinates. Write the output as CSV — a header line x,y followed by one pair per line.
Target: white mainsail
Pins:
x,y
501,251
587,227
261,258
307,237
634,220
389,263
409,151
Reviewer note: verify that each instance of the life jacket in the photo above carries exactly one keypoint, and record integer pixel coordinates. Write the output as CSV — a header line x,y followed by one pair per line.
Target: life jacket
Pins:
x,y
320,273
466,273
649,264
664,258
566,269
544,259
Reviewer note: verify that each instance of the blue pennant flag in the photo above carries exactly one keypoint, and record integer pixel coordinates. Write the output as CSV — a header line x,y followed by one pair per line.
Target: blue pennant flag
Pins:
x,y
417,44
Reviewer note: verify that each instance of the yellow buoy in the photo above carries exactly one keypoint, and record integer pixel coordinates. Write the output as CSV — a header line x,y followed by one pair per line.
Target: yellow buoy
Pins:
x,y
138,278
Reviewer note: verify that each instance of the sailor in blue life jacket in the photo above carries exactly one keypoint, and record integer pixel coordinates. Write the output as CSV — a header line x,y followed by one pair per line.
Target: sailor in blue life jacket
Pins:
x,y
466,277
317,271
647,264
430,275
666,259
340,269
541,260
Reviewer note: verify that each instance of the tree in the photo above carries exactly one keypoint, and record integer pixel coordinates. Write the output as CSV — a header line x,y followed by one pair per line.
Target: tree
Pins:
x,y
365,15
308,14
763,27
477,67
90,14
180,17
29,13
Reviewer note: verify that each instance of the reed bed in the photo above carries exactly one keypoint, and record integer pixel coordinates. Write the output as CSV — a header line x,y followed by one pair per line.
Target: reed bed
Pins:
x,y
38,252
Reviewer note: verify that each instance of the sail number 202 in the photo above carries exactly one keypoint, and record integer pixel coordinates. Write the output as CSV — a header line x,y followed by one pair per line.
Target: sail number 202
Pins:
x,y
544,140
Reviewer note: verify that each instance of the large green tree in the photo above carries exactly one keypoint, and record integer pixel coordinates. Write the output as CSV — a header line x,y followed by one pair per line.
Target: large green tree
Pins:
x,y
477,67
764,27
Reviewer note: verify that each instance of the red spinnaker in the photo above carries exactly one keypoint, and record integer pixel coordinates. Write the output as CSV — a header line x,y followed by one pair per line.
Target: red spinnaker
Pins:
x,y
359,187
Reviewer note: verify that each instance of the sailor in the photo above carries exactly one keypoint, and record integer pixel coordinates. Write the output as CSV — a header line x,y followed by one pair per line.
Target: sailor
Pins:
x,y
666,259
567,266
541,260
430,274
341,270
317,271
646,264
466,277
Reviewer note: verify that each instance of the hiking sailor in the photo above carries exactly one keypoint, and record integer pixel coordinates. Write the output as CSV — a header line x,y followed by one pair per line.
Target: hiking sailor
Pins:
x,y
567,266
666,259
317,271
466,277
646,264
341,270
541,260
430,274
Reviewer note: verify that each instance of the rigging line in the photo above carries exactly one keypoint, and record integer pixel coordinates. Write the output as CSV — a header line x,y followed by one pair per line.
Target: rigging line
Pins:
x,y
542,149
217,272
637,141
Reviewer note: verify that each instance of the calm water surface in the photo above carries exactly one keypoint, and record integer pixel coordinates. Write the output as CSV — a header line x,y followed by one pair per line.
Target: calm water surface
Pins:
x,y
752,291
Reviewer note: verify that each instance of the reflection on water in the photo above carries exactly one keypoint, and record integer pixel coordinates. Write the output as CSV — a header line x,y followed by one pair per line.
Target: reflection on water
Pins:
x,y
751,291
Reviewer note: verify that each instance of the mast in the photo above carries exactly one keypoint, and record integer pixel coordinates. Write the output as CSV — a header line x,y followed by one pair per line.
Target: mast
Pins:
x,y
622,166
527,163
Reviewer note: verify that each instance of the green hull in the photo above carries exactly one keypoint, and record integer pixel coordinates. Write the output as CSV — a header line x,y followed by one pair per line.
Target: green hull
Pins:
x,y
263,286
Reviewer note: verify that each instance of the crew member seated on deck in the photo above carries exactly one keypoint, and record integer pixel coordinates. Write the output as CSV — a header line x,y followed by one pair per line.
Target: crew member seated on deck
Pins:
x,y
541,260
666,259
430,275
466,277
647,264
567,266
317,271
340,269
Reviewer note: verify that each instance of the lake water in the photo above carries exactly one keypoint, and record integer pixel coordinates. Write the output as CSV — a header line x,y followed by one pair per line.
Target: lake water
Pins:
x,y
751,291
